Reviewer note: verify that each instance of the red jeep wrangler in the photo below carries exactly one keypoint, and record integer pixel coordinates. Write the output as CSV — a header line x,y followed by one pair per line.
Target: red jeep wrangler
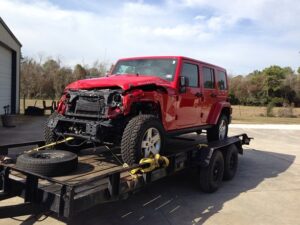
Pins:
x,y
143,101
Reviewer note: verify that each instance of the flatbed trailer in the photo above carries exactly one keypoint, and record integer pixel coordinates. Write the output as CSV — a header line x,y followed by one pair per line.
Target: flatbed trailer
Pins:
x,y
100,177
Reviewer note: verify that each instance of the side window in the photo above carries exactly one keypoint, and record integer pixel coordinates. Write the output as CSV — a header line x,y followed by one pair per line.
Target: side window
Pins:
x,y
190,71
208,78
222,83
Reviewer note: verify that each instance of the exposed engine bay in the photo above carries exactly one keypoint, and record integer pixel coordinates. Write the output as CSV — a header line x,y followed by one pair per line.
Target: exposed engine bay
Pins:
x,y
92,103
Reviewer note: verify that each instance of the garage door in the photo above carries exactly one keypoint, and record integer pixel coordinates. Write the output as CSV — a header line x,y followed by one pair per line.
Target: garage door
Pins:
x,y
5,77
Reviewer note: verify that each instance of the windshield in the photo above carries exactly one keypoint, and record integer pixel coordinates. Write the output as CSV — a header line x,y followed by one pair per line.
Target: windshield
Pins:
x,y
163,68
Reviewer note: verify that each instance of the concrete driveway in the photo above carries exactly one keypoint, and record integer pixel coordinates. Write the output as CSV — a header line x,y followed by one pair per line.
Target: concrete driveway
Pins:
x,y
266,189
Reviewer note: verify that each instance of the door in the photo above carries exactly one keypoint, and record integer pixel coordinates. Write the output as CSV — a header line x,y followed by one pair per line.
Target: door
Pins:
x,y
210,93
188,111
5,77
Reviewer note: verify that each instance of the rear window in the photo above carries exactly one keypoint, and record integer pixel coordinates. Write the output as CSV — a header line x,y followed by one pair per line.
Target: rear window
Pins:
x,y
222,83
208,78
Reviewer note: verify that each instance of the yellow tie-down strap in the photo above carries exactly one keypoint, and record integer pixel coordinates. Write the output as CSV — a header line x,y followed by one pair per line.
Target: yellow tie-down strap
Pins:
x,y
202,146
153,163
50,145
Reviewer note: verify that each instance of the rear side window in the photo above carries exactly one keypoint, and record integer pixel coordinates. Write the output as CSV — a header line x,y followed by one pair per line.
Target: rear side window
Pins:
x,y
222,83
190,71
208,78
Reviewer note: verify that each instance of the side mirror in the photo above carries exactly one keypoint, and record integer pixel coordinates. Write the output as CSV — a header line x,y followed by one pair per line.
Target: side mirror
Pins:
x,y
183,83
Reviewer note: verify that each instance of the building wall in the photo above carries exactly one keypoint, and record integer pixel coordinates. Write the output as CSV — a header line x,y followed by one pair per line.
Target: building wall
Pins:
x,y
5,77
9,43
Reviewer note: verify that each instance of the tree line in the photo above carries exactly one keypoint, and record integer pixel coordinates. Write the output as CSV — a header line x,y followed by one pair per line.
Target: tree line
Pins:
x,y
46,79
274,85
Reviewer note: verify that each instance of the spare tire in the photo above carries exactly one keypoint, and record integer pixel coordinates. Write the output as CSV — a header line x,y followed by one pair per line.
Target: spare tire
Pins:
x,y
48,162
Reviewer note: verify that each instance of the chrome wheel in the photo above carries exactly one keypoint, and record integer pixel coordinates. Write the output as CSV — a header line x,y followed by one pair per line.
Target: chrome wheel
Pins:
x,y
151,142
222,130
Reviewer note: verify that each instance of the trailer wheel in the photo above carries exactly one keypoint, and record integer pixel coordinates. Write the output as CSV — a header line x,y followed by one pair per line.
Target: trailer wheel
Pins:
x,y
211,176
50,136
143,136
230,162
218,131
48,162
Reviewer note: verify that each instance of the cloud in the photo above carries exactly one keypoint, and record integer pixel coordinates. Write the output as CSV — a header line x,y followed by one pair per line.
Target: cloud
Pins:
x,y
239,35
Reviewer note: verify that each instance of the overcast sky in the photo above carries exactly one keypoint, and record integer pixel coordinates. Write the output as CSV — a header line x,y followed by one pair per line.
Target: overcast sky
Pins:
x,y
239,35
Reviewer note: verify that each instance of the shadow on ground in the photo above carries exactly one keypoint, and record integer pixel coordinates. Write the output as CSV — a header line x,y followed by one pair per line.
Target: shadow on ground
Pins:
x,y
178,200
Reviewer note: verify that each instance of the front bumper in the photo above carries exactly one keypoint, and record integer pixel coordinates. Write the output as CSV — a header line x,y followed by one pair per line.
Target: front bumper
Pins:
x,y
96,131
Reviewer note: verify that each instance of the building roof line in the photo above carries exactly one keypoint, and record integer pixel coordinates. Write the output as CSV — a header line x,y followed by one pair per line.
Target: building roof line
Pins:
x,y
9,31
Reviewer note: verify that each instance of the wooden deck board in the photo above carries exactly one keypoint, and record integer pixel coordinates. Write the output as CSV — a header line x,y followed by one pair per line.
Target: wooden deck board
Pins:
x,y
90,164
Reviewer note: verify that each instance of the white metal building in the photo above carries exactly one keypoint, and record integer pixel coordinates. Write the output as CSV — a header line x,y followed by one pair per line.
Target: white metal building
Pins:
x,y
10,54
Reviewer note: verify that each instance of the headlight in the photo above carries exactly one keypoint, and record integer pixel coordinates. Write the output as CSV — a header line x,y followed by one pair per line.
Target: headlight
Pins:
x,y
114,99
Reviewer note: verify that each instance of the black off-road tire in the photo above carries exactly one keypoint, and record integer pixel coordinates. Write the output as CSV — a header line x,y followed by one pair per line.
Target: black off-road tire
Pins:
x,y
50,137
133,135
48,162
211,176
230,162
214,132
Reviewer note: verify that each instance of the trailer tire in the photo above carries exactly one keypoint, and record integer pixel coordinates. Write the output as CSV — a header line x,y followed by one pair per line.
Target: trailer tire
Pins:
x,y
211,176
134,132
230,162
48,162
218,131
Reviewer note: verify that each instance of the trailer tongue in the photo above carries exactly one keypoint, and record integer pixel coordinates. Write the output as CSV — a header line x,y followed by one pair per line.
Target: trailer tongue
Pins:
x,y
100,177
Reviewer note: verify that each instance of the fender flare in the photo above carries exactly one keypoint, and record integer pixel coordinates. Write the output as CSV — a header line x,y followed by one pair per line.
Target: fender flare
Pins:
x,y
205,152
218,108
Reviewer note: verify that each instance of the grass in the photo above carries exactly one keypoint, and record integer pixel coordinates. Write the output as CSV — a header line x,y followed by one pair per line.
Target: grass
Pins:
x,y
257,114
34,102
240,114
267,120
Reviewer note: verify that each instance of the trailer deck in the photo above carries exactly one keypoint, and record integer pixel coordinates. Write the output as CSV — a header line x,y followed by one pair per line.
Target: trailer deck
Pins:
x,y
100,176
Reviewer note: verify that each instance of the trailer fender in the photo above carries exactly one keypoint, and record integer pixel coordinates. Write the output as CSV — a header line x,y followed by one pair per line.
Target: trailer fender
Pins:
x,y
204,155
205,152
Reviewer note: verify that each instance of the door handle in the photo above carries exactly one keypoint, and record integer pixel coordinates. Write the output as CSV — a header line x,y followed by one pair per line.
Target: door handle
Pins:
x,y
198,94
213,95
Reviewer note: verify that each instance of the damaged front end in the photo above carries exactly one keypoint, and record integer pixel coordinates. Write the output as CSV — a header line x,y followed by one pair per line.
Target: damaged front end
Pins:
x,y
93,115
